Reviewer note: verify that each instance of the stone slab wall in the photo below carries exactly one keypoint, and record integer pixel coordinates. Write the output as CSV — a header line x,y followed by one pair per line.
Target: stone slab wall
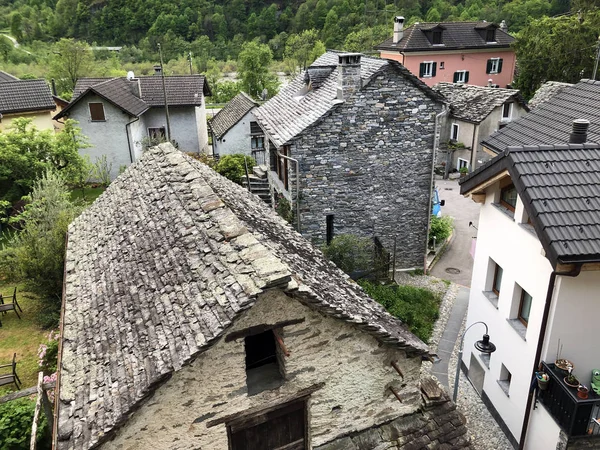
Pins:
x,y
369,164
354,366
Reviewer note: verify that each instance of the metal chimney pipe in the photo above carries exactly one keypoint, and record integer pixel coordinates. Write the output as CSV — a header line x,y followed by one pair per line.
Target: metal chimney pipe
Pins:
x,y
579,132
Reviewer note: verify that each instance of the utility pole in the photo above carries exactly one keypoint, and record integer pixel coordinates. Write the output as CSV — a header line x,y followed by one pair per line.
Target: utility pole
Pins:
x,y
597,58
190,60
162,73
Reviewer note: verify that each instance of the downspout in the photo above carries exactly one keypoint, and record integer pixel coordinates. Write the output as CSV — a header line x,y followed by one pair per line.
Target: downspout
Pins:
x,y
295,161
129,140
473,149
435,146
538,353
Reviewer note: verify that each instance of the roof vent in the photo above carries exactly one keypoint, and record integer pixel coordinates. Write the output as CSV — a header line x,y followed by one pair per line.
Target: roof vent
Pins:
x,y
579,133
157,70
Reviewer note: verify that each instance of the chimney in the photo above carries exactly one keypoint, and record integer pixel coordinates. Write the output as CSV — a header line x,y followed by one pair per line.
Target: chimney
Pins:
x,y
503,26
579,133
157,70
54,88
490,83
398,29
349,80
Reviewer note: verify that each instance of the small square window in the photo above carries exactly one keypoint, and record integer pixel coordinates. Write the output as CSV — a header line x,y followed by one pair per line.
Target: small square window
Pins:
x,y
427,69
460,76
157,133
442,65
505,379
507,111
508,197
494,64
497,283
97,112
263,369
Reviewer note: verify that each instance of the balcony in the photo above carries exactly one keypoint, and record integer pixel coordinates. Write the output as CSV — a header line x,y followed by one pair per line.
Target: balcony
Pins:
x,y
577,417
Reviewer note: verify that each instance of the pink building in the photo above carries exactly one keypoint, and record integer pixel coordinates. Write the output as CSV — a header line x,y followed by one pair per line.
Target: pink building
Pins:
x,y
454,52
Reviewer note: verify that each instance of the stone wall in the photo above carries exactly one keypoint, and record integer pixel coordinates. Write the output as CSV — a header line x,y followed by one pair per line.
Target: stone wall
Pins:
x,y
368,162
354,367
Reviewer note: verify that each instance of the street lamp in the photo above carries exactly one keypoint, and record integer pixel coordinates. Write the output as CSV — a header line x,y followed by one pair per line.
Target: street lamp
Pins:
x,y
484,346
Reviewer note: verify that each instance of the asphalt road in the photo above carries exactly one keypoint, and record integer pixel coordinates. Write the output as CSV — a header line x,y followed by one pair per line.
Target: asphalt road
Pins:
x,y
457,256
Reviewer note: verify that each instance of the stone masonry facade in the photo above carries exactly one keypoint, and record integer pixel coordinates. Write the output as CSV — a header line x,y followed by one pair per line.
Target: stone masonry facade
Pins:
x,y
368,162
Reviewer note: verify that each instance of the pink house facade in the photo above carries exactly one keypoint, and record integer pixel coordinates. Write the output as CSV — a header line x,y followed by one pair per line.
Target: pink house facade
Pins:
x,y
477,53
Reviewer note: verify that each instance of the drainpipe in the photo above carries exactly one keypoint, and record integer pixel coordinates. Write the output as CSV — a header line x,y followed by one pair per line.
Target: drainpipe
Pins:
x,y
538,353
129,140
435,146
295,161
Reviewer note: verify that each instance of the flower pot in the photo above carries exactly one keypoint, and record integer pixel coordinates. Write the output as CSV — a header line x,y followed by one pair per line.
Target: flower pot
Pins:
x,y
573,384
542,380
582,392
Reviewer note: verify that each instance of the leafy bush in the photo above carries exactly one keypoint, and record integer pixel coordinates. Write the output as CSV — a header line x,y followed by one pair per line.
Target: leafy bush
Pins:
x,y
349,252
284,208
232,166
16,418
48,354
418,308
204,159
440,228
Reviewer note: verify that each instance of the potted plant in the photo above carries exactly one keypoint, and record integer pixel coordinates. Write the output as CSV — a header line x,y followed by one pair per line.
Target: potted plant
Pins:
x,y
542,380
463,171
571,380
582,392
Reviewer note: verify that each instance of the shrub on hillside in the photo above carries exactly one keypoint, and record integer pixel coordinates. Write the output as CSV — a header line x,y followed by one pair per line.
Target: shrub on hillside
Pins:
x,y
232,166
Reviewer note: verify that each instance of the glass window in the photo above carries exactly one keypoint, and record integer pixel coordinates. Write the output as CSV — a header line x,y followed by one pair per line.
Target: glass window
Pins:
x,y
506,110
508,197
437,37
428,69
525,307
454,136
490,35
497,279
494,65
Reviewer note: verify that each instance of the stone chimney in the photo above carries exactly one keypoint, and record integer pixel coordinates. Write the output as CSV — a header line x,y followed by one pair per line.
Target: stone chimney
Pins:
x,y
579,132
398,29
157,70
349,80
503,26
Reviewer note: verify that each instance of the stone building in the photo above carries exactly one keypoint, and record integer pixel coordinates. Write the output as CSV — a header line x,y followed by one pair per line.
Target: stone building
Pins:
x,y
360,133
195,317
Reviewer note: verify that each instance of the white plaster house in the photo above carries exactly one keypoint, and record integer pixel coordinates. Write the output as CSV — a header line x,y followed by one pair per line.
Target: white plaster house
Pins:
x,y
235,130
195,317
475,113
121,115
535,284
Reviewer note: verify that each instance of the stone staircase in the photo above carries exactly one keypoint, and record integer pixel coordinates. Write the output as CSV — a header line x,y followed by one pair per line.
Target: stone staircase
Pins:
x,y
259,184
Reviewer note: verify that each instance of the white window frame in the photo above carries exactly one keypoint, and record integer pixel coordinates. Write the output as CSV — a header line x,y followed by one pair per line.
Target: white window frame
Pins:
x,y
456,127
510,111
460,165
462,76
441,65
495,65
428,65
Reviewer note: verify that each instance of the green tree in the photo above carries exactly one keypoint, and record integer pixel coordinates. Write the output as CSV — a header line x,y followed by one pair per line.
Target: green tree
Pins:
x,y
6,48
300,47
253,69
366,39
71,60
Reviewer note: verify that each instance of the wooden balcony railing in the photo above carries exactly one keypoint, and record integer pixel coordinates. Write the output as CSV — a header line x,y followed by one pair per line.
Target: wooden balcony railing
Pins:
x,y
576,416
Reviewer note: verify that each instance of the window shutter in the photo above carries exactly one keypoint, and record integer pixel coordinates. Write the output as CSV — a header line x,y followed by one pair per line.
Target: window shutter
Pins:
x,y
421,70
455,77
433,69
500,65
467,76
489,66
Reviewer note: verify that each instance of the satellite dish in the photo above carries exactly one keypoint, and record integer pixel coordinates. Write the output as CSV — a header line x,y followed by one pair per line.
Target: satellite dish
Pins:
x,y
130,75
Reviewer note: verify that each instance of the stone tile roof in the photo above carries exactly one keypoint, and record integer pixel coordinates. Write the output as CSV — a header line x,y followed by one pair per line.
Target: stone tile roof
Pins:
x,y
560,188
546,91
551,122
475,103
455,36
232,113
185,90
294,108
21,96
4,77
159,267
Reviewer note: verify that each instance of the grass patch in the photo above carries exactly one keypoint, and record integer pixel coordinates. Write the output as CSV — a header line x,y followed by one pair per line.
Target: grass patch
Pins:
x,y
88,194
22,337
418,308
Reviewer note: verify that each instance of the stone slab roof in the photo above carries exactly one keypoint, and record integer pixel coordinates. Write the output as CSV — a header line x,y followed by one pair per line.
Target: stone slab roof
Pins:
x,y
475,103
546,91
455,36
20,96
231,114
552,121
4,77
294,108
560,188
186,90
159,267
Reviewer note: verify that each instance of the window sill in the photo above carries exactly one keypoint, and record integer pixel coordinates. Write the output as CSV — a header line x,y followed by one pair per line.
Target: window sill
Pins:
x,y
505,386
485,359
518,327
492,297
505,211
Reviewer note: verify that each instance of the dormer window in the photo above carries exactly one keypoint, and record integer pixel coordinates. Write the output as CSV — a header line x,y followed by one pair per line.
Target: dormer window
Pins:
x,y
437,37
490,35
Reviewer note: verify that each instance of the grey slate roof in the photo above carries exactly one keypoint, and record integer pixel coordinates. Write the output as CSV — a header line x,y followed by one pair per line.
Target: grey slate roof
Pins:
x,y
560,188
21,96
232,113
551,122
475,103
546,91
159,267
4,77
289,113
186,90
455,36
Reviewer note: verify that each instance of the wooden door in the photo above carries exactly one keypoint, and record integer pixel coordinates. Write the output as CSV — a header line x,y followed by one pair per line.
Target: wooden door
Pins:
x,y
281,429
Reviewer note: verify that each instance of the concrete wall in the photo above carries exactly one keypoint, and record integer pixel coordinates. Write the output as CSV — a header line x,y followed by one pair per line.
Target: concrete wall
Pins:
x,y
355,368
106,138
475,61
504,239
237,139
202,126
184,126
369,164
42,120
543,432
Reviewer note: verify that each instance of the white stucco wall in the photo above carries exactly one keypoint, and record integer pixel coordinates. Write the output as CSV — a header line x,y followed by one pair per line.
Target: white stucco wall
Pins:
x,y
519,253
184,127
202,126
237,138
355,368
543,432
42,120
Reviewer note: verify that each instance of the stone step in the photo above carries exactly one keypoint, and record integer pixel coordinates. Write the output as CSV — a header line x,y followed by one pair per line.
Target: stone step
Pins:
x,y
260,172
